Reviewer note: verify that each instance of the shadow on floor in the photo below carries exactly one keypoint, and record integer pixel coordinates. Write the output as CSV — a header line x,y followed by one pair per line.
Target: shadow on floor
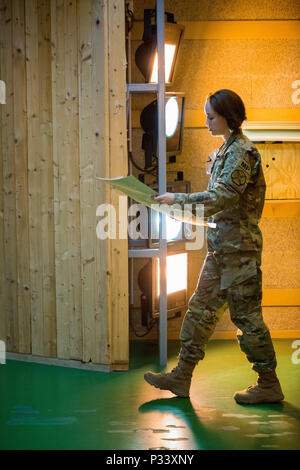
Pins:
x,y
249,427
193,415
283,408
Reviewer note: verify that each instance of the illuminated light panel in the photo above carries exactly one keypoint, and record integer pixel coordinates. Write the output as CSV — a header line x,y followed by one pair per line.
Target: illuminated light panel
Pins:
x,y
169,57
176,273
172,116
173,227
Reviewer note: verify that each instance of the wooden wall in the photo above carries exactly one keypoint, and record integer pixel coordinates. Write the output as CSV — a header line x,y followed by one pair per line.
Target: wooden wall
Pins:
x,y
251,48
63,294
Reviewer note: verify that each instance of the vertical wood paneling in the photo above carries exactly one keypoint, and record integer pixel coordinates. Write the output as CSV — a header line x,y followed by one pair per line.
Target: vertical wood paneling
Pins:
x,y
95,126
21,178
63,291
73,164
103,248
2,295
9,312
88,106
281,165
118,167
40,170
87,181
46,178
57,96
67,219
33,117
3,330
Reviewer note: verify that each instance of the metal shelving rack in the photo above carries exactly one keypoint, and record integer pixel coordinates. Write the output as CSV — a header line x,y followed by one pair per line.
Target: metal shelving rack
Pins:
x,y
160,252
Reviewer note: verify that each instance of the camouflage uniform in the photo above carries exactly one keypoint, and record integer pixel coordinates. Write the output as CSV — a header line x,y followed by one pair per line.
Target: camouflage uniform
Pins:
x,y
231,275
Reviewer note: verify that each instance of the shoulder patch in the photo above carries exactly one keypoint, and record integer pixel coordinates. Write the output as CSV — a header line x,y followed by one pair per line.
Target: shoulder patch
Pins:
x,y
238,177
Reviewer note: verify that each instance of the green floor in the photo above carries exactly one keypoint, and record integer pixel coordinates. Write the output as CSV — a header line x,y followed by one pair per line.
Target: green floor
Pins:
x,y
50,407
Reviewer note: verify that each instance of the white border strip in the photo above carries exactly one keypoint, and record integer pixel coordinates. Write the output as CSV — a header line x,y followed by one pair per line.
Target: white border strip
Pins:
x,y
52,361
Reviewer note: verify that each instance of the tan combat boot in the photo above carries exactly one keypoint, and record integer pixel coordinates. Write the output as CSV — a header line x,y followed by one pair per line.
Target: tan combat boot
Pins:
x,y
178,381
266,390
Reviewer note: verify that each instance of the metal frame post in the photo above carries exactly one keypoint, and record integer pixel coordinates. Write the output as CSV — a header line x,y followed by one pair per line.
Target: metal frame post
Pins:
x,y
161,252
162,180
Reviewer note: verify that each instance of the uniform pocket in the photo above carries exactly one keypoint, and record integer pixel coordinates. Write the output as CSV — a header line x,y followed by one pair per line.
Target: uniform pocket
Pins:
x,y
236,268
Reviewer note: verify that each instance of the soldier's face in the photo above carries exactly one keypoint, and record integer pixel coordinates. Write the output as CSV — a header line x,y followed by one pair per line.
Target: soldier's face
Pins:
x,y
216,123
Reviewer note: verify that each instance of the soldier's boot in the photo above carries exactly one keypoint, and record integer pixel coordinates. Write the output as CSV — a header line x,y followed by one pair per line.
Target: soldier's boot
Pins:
x,y
178,381
266,390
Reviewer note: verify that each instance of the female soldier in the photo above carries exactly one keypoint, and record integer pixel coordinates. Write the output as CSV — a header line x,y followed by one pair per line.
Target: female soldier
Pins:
x,y
231,275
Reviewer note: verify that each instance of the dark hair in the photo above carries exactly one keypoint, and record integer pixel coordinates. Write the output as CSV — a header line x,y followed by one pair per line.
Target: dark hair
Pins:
x,y
229,105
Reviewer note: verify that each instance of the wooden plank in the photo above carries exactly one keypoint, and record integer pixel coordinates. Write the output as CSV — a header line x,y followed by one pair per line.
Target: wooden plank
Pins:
x,y
66,188
34,182
73,174
285,333
281,297
55,69
57,23
2,118
94,121
58,362
102,194
196,117
9,312
94,148
118,167
46,179
86,61
21,178
273,114
289,29
282,208
195,30
281,165
245,29
40,171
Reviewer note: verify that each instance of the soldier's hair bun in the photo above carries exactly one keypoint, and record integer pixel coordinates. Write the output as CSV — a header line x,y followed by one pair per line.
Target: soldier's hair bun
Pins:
x,y
228,104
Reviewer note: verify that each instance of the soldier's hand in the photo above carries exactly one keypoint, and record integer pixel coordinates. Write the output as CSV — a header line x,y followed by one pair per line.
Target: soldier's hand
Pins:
x,y
166,198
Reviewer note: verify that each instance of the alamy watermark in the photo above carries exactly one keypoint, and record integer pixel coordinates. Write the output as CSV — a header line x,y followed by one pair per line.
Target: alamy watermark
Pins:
x,y
2,352
296,353
134,222
296,94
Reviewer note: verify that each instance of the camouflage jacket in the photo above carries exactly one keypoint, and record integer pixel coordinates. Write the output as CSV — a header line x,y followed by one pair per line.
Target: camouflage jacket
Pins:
x,y
234,198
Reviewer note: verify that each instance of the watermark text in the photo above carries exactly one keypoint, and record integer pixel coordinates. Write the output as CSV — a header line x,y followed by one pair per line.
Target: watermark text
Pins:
x,y
2,352
137,223
296,353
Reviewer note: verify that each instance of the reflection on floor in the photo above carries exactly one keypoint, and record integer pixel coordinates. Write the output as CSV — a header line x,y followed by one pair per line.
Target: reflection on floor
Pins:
x,y
50,407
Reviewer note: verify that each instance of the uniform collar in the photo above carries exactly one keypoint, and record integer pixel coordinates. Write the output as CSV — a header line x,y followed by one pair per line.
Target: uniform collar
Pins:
x,y
229,141
227,144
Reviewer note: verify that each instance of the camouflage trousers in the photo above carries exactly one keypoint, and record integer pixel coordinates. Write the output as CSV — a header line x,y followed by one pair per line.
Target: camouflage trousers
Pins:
x,y
231,280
